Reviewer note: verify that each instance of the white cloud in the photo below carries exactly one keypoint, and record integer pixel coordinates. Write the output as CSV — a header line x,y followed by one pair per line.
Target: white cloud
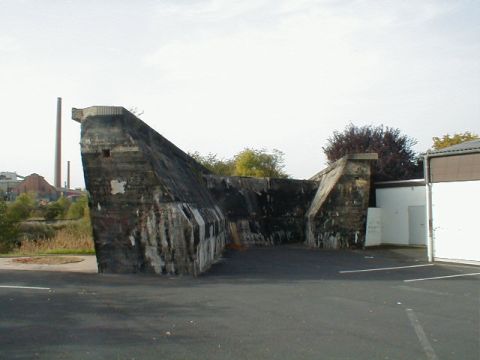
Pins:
x,y
215,76
8,44
215,10
311,71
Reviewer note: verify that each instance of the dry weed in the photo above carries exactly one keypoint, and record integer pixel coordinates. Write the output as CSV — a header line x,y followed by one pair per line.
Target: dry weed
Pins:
x,y
64,241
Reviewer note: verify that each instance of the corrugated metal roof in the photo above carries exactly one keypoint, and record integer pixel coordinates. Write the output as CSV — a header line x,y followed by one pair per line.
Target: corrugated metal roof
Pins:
x,y
467,146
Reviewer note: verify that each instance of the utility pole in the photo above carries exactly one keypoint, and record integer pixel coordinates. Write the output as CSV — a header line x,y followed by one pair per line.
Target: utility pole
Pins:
x,y
68,174
58,146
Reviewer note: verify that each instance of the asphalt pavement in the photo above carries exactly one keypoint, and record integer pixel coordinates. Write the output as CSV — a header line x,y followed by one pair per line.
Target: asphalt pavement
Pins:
x,y
287,302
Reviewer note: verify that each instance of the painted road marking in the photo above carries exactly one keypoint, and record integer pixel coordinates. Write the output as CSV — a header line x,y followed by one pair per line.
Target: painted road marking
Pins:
x,y
442,277
383,269
422,337
23,287
422,290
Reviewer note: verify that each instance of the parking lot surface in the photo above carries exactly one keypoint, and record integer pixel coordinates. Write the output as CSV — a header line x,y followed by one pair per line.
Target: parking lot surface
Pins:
x,y
287,302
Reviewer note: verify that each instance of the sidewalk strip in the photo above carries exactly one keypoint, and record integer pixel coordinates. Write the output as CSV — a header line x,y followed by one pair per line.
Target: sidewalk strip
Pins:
x,y
23,287
442,277
383,269
422,337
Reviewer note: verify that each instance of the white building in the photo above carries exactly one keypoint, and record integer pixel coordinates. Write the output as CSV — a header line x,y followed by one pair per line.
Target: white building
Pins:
x,y
8,182
8,176
453,199
400,216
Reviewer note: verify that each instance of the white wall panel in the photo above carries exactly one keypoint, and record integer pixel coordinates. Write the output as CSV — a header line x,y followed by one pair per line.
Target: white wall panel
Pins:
x,y
456,220
394,203
373,235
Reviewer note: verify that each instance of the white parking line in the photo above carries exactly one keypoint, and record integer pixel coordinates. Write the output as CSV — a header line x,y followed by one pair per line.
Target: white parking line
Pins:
x,y
422,337
24,287
441,277
383,269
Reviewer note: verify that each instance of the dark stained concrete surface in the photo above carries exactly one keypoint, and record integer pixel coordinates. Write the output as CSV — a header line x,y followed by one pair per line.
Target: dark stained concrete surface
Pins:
x,y
154,209
285,302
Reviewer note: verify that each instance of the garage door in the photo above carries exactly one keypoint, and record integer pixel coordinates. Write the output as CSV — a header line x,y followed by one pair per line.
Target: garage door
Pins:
x,y
456,220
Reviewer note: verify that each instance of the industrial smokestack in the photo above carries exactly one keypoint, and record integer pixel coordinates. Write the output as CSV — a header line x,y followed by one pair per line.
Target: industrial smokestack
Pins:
x,y
58,146
68,175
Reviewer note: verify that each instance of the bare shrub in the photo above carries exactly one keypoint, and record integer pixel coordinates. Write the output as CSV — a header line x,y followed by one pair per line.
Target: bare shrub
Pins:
x,y
73,238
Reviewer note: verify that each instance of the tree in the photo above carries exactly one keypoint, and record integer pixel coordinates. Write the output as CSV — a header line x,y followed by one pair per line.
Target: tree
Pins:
x,y
217,166
64,204
57,209
248,162
78,209
447,140
53,211
8,229
22,208
396,158
260,163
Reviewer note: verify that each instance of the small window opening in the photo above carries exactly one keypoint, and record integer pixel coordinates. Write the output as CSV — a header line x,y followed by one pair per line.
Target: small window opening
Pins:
x,y
106,153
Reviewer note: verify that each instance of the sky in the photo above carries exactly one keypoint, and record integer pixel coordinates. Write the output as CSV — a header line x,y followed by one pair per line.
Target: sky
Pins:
x,y
219,76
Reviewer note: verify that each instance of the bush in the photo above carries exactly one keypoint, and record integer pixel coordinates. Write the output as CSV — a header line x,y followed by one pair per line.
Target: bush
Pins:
x,y
248,162
78,209
57,209
22,207
53,211
260,163
396,158
8,229
73,238
64,204
35,231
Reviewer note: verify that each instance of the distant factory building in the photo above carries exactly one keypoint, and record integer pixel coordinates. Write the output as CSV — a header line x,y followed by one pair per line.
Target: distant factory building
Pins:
x,y
8,183
35,183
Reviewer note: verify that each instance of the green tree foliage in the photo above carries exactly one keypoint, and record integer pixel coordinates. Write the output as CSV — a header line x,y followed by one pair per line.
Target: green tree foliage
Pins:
x,y
8,229
22,207
248,162
450,140
64,203
57,209
53,211
260,163
79,208
217,166
396,158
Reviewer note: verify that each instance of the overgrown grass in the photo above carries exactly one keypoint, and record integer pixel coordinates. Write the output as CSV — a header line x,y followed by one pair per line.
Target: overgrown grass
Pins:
x,y
75,238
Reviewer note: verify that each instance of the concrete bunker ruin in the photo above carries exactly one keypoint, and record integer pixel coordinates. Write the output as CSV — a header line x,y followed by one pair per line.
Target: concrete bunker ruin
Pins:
x,y
154,209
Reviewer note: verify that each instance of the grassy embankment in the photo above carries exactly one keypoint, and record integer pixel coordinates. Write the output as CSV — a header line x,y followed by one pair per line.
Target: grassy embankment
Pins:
x,y
74,238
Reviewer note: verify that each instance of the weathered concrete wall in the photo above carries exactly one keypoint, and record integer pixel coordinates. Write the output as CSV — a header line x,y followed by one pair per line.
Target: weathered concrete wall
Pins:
x,y
337,215
263,211
150,209
155,209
